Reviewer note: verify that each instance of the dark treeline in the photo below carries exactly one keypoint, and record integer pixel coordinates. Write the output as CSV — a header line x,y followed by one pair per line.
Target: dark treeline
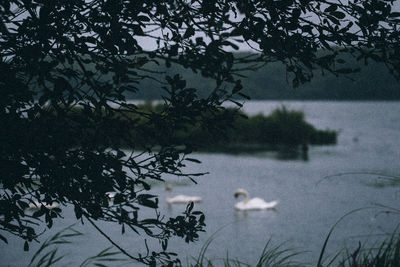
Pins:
x,y
282,128
372,82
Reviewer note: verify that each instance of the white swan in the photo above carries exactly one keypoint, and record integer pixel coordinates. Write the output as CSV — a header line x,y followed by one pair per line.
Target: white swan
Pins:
x,y
254,203
36,205
180,198
111,195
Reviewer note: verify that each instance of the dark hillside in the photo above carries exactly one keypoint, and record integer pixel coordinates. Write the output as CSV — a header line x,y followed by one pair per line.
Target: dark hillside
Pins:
x,y
374,82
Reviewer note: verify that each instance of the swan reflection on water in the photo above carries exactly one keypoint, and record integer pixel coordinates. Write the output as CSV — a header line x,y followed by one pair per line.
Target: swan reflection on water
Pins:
x,y
254,203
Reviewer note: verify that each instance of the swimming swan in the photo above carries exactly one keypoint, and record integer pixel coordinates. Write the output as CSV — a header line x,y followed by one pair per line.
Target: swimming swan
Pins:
x,y
180,198
111,195
254,203
37,205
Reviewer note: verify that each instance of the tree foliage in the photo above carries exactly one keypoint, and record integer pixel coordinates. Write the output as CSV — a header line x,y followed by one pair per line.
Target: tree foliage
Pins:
x,y
58,54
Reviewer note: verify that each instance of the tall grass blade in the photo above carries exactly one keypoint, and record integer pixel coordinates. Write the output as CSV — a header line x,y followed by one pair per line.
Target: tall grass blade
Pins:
x,y
57,239
321,255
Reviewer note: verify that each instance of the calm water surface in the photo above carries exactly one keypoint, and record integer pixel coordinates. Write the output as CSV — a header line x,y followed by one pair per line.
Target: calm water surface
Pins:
x,y
369,142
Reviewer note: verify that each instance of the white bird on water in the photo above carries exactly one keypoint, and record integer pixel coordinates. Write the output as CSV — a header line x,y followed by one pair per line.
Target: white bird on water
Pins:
x,y
36,205
111,195
254,203
180,198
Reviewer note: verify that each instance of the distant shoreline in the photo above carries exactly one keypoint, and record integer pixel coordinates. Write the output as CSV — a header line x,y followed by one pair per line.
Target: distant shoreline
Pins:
x,y
283,100
283,129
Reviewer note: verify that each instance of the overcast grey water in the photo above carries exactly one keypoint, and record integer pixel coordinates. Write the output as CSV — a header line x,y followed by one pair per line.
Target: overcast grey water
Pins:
x,y
313,194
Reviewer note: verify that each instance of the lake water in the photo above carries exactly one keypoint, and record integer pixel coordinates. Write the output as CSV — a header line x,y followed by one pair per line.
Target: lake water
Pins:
x,y
313,194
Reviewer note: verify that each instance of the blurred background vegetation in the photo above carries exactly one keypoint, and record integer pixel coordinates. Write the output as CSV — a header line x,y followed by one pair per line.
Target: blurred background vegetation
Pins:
x,y
283,128
371,82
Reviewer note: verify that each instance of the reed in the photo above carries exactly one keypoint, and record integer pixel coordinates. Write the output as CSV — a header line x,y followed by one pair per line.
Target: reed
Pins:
x,y
385,253
48,253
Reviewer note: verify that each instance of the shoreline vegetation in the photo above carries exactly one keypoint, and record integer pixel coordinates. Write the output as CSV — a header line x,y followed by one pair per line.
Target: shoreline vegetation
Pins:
x,y
282,130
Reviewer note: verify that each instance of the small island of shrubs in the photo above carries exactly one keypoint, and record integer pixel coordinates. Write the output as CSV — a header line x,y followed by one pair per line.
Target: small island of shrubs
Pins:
x,y
227,130
282,129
